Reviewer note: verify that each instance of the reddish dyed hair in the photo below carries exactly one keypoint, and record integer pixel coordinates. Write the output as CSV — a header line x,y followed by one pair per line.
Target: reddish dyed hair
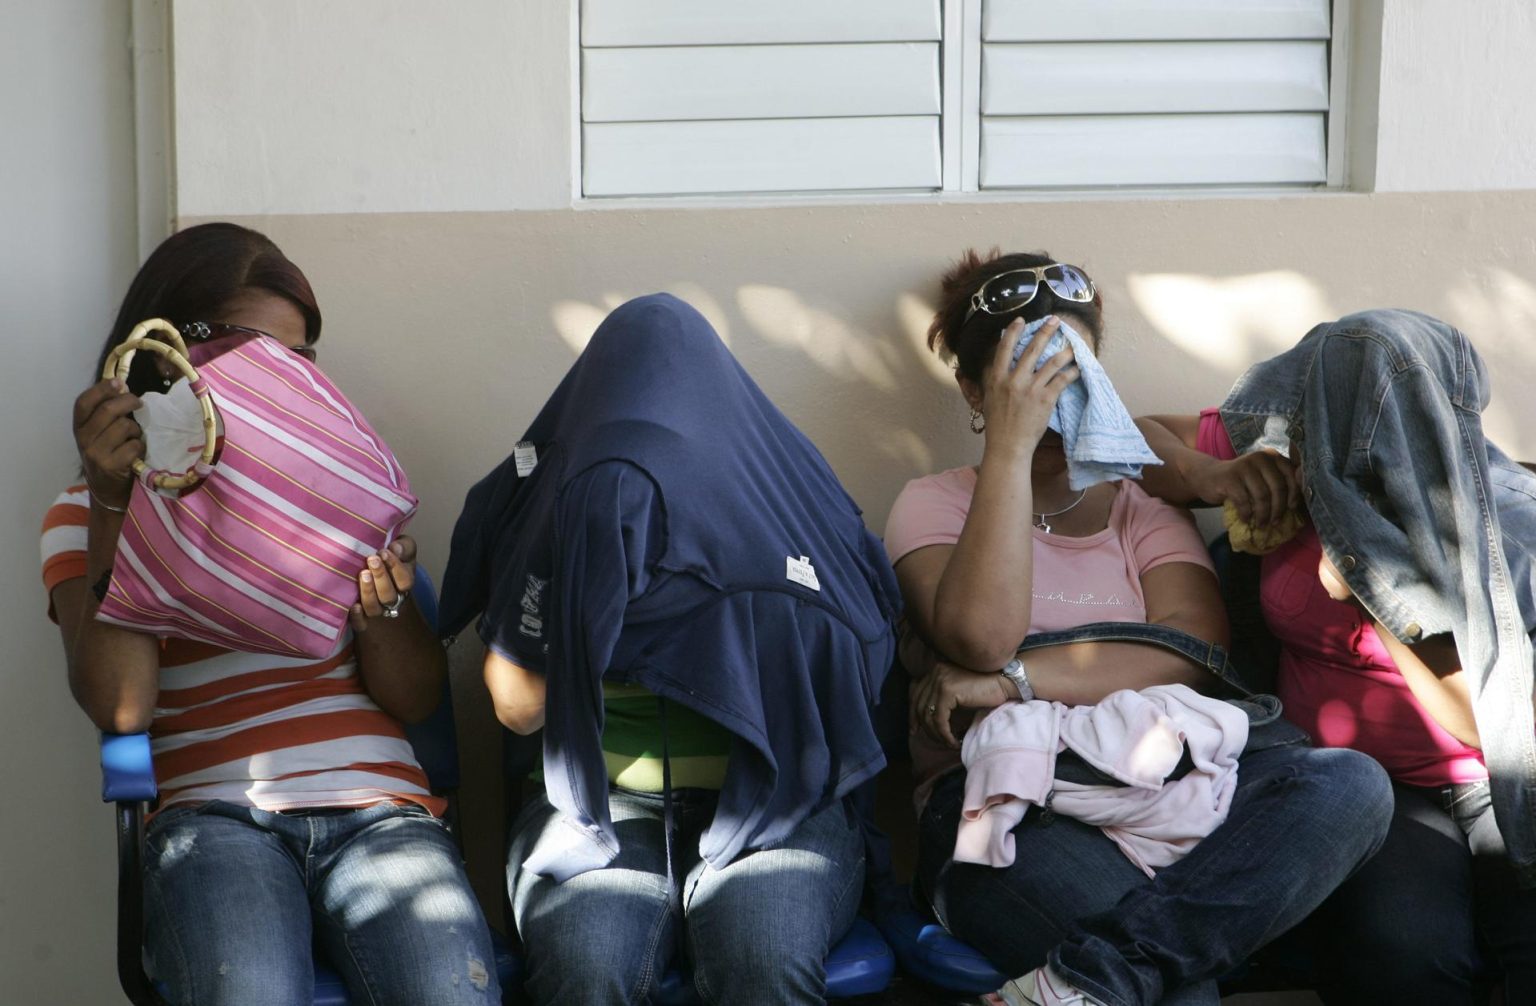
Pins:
x,y
194,273
969,344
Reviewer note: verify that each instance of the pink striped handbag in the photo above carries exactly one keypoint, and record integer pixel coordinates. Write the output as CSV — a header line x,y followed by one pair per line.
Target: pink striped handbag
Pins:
x,y
258,545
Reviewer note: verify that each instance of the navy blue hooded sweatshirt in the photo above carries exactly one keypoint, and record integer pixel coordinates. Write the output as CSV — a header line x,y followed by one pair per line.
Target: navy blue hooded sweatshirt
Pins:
x,y
681,534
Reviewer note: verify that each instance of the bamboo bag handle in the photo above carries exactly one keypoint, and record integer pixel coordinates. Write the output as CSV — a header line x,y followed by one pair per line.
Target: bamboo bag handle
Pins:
x,y
175,351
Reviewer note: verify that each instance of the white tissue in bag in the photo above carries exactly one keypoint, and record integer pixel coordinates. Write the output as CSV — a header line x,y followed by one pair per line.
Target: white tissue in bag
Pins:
x,y
173,428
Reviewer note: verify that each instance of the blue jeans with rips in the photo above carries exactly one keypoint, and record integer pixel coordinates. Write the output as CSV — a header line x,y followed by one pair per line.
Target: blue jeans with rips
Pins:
x,y
237,899
1302,821
756,931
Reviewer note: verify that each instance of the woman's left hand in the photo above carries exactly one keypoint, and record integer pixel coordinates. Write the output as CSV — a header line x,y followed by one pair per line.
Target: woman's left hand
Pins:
x,y
385,584
948,689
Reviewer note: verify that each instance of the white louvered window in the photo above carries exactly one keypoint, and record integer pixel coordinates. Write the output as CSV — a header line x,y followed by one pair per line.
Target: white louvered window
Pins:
x,y
717,96
704,97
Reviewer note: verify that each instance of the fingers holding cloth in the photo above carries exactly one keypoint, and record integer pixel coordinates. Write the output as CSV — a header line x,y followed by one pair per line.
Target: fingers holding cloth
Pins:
x,y
1100,439
108,440
384,585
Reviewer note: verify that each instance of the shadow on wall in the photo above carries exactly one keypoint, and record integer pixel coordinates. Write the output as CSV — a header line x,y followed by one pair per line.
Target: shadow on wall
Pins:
x,y
791,329
1209,326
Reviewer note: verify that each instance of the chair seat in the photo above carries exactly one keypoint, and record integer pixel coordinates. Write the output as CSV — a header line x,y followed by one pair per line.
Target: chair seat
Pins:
x,y
927,951
859,964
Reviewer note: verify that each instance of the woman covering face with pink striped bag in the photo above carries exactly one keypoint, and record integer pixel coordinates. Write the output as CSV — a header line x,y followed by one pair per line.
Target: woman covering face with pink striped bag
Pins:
x,y
258,544
245,597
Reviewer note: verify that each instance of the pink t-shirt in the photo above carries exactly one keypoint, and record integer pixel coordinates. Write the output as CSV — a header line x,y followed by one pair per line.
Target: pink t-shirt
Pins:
x,y
1337,680
1076,580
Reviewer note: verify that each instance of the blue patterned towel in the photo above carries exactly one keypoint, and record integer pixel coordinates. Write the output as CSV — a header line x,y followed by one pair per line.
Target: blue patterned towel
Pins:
x,y
1101,441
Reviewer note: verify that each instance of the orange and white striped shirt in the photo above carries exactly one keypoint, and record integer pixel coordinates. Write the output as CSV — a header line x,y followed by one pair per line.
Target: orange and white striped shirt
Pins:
x,y
272,732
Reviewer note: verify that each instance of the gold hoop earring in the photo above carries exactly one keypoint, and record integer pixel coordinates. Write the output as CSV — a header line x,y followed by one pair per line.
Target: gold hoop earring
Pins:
x,y
978,421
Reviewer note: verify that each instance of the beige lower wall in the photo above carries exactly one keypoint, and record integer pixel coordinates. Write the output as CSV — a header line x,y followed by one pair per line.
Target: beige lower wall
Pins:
x,y
450,330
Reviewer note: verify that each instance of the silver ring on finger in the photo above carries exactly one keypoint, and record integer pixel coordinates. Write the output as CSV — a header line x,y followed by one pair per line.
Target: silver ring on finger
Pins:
x,y
392,609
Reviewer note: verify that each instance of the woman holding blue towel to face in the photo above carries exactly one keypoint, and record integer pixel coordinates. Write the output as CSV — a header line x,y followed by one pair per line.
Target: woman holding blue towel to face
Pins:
x,y
1039,538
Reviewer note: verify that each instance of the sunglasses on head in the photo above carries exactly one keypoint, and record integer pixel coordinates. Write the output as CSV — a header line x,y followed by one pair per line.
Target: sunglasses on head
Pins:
x,y
203,331
1009,291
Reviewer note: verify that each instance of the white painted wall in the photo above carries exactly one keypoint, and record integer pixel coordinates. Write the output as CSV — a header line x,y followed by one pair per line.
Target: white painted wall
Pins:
x,y
69,247
1458,96
392,106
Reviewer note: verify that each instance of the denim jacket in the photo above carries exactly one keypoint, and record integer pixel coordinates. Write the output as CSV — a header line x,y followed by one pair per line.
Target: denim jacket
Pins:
x,y
1432,527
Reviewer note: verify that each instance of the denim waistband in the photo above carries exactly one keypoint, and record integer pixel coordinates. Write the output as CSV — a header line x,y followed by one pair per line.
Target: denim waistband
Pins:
x,y
1209,655
1266,726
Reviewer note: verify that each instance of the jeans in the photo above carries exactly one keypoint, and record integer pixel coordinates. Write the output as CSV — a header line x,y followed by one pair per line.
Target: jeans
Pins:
x,y
238,899
1302,821
757,931
1409,926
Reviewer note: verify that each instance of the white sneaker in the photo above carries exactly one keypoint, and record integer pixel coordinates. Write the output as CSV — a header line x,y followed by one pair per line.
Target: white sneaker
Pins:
x,y
1043,987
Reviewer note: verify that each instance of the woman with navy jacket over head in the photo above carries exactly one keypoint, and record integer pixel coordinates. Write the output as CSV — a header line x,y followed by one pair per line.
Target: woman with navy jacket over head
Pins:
x,y
674,587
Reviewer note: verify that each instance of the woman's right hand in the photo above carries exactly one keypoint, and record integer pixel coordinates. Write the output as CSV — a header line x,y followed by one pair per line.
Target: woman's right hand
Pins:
x,y
108,439
1019,400
1262,486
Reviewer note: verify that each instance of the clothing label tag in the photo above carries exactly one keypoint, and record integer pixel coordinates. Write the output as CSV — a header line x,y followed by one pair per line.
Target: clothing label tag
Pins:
x,y
525,457
801,571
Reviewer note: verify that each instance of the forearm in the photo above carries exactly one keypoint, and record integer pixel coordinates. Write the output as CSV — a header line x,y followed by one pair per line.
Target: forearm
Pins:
x,y
1433,672
983,603
1078,674
402,665
1173,479
1180,595
114,673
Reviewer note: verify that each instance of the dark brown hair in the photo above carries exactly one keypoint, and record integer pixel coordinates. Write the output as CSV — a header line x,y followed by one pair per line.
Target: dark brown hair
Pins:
x,y
195,272
970,344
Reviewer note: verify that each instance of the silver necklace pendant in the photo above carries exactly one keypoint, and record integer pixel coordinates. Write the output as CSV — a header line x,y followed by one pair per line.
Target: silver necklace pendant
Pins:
x,y
1039,518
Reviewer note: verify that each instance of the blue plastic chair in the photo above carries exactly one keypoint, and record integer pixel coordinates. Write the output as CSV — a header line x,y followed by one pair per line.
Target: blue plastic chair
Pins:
x,y
128,780
860,964
930,953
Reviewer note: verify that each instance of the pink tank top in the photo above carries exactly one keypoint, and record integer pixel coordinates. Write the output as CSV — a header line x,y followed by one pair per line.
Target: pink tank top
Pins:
x,y
1337,680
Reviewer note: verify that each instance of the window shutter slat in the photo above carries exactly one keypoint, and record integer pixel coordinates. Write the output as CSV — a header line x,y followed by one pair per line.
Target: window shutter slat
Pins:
x,y
764,155
1109,20
1217,149
1093,78
760,81
718,22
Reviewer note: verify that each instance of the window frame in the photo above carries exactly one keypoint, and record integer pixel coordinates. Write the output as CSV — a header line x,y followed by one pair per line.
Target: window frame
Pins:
x,y
960,127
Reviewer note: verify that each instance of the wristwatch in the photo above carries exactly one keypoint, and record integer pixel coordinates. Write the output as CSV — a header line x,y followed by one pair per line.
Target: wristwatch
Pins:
x,y
1014,671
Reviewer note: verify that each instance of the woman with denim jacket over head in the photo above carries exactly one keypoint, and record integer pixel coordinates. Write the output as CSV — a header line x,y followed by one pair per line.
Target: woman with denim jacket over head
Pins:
x,y
1345,596
990,554
292,811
